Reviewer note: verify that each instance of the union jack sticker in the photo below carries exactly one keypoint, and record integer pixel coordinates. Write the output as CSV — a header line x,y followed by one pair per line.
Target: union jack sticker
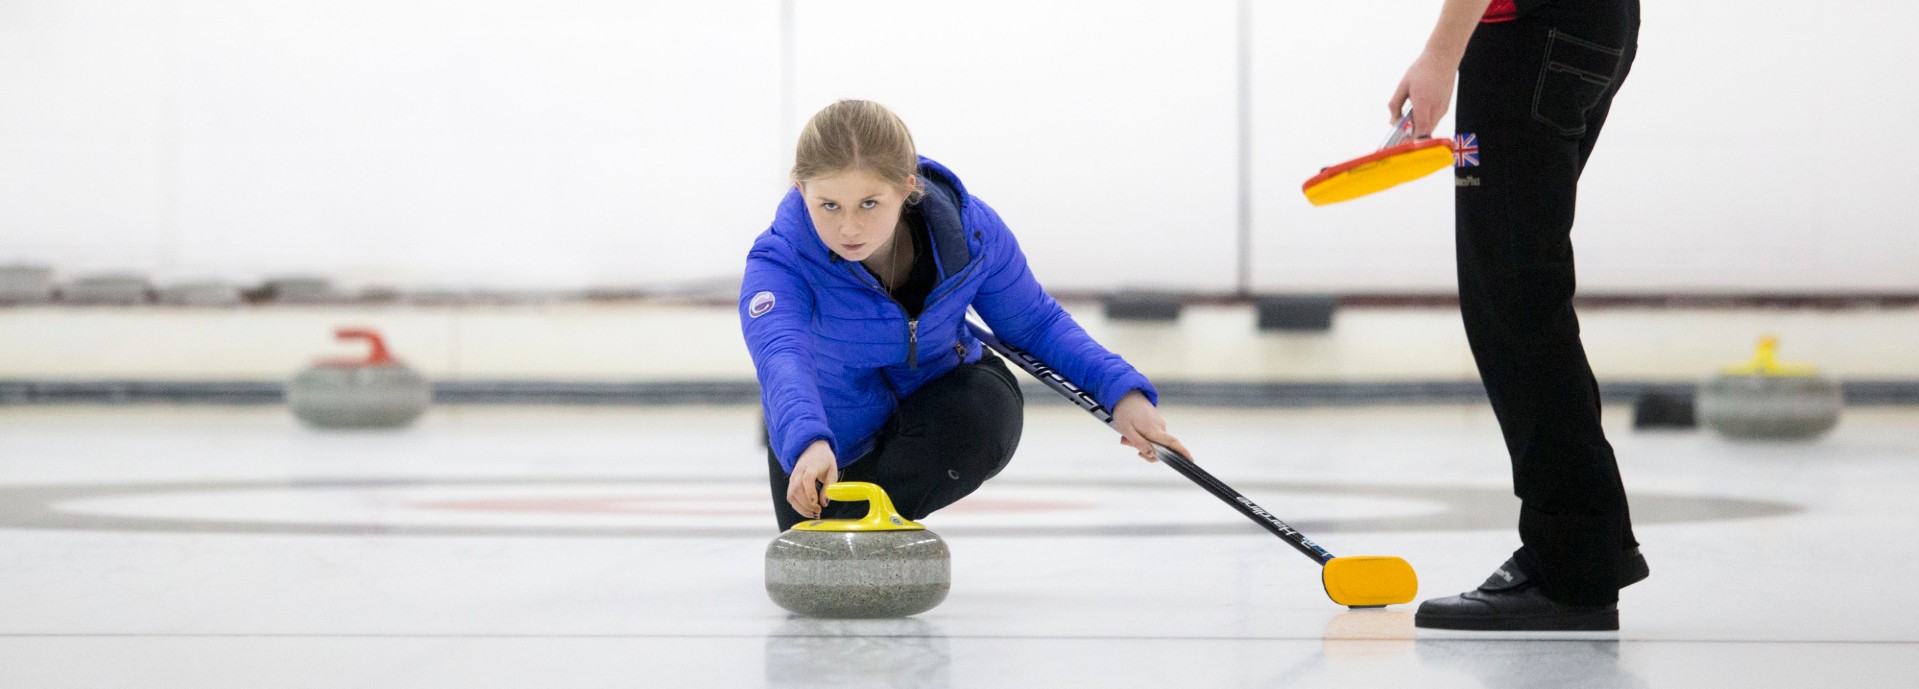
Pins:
x,y
1465,150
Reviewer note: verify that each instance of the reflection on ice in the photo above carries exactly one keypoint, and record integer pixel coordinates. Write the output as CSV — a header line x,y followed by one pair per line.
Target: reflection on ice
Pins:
x,y
809,653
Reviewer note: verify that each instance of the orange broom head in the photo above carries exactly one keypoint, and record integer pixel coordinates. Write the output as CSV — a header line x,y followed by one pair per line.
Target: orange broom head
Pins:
x,y
1369,581
1378,171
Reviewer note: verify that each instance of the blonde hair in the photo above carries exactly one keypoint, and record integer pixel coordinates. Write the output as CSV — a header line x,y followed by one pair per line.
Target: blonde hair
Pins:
x,y
858,135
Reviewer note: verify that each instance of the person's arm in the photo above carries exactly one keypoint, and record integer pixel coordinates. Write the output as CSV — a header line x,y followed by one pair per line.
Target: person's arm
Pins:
x,y
1022,314
1428,83
776,314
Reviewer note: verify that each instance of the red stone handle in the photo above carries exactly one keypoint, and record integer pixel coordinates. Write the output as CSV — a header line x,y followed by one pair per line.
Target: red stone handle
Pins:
x,y
377,356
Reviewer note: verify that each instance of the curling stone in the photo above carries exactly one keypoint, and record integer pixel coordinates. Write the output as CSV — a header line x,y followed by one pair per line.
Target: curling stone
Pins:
x,y
375,392
1765,400
881,565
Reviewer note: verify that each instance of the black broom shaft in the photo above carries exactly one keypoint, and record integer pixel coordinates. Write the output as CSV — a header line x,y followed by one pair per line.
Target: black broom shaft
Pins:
x,y
1046,374
1258,514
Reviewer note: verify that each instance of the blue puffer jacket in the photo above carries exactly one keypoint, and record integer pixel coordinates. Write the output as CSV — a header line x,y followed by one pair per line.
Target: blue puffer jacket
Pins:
x,y
836,353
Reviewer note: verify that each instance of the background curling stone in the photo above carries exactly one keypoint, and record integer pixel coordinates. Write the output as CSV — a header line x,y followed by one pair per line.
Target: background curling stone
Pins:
x,y
881,565
1765,400
375,392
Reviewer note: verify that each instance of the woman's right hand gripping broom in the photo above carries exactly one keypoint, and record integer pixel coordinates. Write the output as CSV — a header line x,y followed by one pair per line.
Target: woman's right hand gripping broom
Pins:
x,y
1140,425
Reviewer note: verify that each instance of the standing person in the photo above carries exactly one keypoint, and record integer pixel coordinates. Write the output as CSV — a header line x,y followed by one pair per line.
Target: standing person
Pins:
x,y
1536,79
854,305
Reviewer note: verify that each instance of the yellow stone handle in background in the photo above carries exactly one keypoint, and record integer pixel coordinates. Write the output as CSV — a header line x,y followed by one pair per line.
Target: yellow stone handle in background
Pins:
x,y
880,515
1765,362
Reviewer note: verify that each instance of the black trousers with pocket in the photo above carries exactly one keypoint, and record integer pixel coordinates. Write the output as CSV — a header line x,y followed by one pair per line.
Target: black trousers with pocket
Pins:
x,y
1534,94
945,440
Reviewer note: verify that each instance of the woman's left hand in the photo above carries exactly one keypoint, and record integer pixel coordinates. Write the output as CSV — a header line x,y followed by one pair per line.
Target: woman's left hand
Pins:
x,y
1139,426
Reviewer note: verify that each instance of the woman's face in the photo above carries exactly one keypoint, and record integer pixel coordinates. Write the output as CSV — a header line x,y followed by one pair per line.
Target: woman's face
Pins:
x,y
854,211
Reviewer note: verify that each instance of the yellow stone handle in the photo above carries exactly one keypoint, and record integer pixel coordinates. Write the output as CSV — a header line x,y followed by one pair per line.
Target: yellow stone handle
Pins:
x,y
1765,362
880,514
1765,357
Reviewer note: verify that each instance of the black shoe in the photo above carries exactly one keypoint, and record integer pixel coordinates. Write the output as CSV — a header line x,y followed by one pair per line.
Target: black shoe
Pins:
x,y
1510,601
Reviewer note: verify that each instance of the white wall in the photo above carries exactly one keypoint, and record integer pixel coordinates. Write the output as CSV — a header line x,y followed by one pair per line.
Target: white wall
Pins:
x,y
1101,131
506,143
468,142
1755,146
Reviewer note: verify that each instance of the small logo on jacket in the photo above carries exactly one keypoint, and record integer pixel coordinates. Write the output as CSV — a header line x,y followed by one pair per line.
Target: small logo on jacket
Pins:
x,y
762,303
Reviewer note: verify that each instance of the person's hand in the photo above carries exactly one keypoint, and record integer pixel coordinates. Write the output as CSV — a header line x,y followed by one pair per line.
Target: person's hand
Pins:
x,y
815,466
1428,85
1139,426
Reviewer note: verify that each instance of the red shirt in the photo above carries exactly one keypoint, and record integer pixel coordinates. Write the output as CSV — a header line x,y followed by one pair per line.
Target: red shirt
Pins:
x,y
1500,11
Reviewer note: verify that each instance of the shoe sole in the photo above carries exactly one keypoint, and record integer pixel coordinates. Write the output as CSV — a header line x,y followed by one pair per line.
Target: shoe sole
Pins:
x,y
1596,621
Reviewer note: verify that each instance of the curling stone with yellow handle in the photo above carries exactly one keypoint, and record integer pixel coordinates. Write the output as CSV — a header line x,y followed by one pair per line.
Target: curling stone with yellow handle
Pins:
x,y
880,565
1766,400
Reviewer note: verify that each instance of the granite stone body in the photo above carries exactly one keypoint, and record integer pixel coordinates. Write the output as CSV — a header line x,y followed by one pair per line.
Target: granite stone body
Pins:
x,y
387,395
1770,407
858,573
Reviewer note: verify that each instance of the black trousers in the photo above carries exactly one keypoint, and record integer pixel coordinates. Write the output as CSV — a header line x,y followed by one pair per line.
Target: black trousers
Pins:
x,y
1534,93
946,439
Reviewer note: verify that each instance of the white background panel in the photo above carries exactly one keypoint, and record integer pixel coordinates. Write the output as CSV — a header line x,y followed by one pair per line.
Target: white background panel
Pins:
x,y
1756,146
1317,102
1103,132
489,143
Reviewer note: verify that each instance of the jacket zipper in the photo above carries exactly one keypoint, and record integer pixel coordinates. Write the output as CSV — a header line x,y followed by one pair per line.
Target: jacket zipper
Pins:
x,y
912,342
912,322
